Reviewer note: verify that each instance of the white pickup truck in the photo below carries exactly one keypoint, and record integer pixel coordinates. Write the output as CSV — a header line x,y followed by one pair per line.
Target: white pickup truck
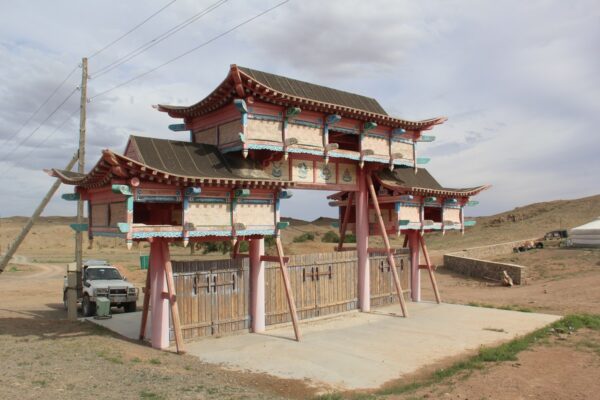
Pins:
x,y
100,279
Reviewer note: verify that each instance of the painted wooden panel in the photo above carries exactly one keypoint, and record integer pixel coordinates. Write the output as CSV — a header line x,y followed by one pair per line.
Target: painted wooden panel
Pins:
x,y
118,213
278,169
325,173
100,215
206,136
255,214
379,145
306,135
264,130
302,171
406,149
385,213
230,132
209,215
452,214
346,174
410,213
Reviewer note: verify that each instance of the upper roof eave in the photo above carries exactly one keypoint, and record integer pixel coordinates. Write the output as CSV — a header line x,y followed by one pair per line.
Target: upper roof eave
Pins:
x,y
227,90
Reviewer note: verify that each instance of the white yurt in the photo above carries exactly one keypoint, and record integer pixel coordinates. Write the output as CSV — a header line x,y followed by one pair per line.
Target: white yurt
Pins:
x,y
586,235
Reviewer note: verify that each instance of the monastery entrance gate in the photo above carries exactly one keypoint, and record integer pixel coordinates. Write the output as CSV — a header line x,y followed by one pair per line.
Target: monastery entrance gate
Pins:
x,y
214,295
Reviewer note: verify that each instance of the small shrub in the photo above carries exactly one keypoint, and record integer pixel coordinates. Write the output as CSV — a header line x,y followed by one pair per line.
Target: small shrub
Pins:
x,y
269,241
350,238
305,237
330,237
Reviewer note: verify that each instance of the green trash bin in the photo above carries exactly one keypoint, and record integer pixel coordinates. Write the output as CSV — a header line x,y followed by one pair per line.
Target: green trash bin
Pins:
x,y
144,262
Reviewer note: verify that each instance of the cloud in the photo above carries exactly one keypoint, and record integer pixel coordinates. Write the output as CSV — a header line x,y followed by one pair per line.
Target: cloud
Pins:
x,y
518,81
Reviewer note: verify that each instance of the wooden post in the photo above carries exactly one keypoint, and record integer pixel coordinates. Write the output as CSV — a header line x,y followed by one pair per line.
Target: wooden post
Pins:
x,y
288,288
430,269
386,241
362,243
12,249
257,285
146,302
72,292
415,274
345,221
172,298
160,311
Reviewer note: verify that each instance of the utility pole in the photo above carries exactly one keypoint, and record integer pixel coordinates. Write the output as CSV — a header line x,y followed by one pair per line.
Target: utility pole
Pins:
x,y
74,277
12,249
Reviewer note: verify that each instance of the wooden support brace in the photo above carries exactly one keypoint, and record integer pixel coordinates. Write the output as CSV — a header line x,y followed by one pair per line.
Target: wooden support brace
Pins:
x,y
345,221
429,268
288,288
173,303
146,304
386,241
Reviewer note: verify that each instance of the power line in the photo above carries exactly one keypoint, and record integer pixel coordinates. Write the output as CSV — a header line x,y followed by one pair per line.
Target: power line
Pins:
x,y
131,30
158,39
192,49
39,126
40,107
26,156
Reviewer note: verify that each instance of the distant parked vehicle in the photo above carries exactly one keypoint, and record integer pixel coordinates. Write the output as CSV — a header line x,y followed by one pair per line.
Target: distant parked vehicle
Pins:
x,y
558,238
100,279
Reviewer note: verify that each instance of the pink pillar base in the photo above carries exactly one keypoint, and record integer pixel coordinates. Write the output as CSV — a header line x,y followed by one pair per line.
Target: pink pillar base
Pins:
x,y
257,285
415,281
362,243
159,306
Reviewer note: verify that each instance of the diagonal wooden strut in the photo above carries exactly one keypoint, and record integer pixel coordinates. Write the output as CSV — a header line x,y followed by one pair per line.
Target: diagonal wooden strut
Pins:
x,y
288,288
173,300
146,304
345,221
430,269
386,241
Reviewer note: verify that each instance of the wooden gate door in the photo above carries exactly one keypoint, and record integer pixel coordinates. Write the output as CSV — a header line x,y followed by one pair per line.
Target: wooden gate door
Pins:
x,y
212,296
323,284
383,291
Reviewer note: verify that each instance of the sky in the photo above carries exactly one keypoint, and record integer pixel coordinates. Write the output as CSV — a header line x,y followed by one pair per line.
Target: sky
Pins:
x,y
518,80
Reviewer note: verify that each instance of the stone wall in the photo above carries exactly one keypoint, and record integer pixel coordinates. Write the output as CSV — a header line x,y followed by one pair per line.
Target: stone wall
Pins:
x,y
472,262
484,269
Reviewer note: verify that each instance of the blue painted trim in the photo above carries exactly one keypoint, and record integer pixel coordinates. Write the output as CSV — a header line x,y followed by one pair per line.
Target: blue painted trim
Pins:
x,y
241,106
208,200
402,140
426,138
285,194
398,131
254,201
282,225
470,223
71,196
121,189
292,112
109,234
209,233
309,124
79,227
423,160
177,127
265,117
472,203
146,235
333,119
350,131
123,227
191,191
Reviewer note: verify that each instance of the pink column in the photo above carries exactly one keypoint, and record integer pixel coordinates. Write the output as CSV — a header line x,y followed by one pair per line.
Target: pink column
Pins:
x,y
415,282
159,306
257,285
362,243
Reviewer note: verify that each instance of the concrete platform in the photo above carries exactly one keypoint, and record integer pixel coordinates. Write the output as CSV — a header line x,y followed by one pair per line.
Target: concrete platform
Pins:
x,y
125,324
358,350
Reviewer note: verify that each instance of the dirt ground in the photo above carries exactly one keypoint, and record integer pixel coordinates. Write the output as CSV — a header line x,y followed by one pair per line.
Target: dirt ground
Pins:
x,y
44,356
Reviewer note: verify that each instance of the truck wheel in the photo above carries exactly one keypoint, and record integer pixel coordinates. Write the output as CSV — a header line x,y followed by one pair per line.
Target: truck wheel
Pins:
x,y
65,299
130,306
87,307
